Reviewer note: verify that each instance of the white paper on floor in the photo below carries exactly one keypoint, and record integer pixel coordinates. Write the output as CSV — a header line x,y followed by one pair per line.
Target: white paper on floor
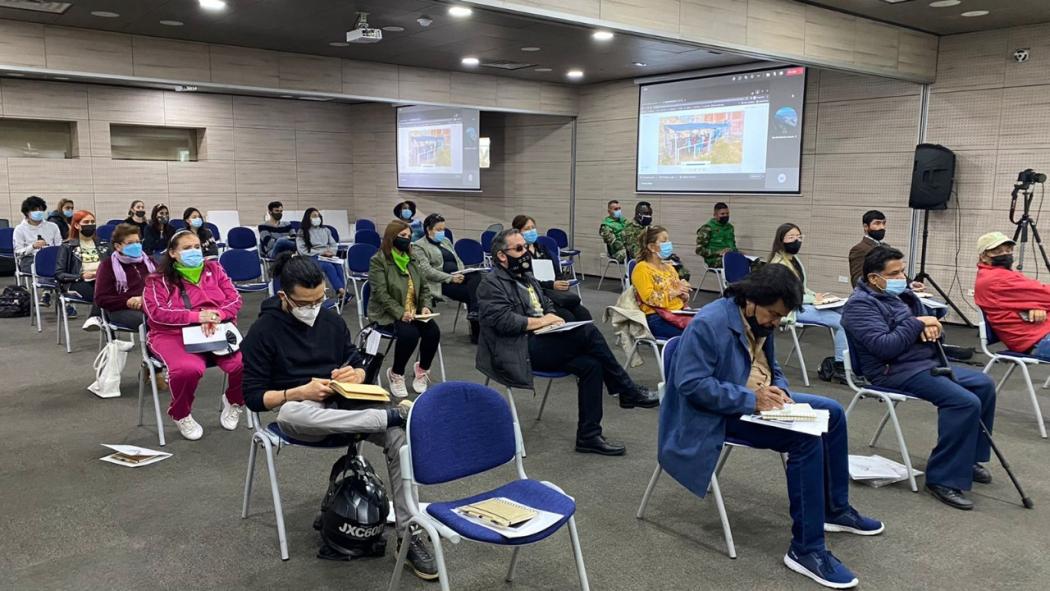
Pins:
x,y
878,471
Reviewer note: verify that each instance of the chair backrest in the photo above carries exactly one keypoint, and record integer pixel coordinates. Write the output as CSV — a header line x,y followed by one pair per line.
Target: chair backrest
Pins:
x,y
5,223
448,235
296,225
494,228
335,233
364,224
548,244
670,347
177,224
631,264
366,292
214,231
457,429
7,241
470,251
241,238
559,236
114,222
486,240
851,362
45,261
105,232
241,265
359,256
368,237
735,266
987,333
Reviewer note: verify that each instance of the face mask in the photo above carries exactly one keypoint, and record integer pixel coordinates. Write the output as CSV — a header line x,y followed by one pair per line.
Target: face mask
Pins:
x,y
406,213
403,244
520,265
67,212
644,220
877,234
139,214
666,249
36,216
305,314
757,329
895,286
196,222
1004,260
530,236
439,236
191,258
277,216
793,247
618,214
163,219
87,231
133,250
315,222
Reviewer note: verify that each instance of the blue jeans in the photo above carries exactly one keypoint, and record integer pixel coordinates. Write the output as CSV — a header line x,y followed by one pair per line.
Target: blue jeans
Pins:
x,y
1042,348
661,328
817,469
334,273
960,406
830,318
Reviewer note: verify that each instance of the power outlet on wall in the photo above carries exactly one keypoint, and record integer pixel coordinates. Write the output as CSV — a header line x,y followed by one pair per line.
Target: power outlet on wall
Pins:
x,y
843,279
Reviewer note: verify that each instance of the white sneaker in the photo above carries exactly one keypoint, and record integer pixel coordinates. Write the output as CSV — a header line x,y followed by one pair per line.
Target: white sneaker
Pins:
x,y
422,379
189,428
92,324
397,384
230,415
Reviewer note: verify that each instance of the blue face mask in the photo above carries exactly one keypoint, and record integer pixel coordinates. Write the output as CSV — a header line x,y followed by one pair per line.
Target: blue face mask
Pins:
x,y
133,250
192,258
196,222
666,249
530,236
67,212
36,216
406,213
439,236
618,214
895,286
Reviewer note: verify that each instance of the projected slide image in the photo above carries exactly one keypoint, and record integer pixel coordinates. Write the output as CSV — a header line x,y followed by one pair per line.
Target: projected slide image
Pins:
x,y
432,149
702,139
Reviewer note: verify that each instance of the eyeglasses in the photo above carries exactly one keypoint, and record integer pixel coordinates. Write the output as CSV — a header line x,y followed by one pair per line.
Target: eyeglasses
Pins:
x,y
312,304
518,249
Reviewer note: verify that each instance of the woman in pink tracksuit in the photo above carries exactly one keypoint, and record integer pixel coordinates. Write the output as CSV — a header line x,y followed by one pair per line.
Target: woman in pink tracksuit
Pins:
x,y
183,273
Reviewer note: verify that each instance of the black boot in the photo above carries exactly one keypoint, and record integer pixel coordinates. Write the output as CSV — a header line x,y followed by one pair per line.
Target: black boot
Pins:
x,y
475,330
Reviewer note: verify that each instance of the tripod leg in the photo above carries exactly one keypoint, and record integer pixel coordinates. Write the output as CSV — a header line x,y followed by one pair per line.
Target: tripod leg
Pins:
x,y
1039,244
1027,502
948,300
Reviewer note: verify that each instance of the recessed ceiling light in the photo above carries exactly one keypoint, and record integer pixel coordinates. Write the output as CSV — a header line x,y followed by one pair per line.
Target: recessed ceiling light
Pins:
x,y
105,14
339,44
319,99
639,64
171,23
530,48
543,70
19,74
602,35
460,11
575,74
393,29
945,3
470,61
61,78
973,13
287,96
213,4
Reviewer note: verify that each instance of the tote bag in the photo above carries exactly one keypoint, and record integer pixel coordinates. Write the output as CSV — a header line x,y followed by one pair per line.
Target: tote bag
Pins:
x,y
108,366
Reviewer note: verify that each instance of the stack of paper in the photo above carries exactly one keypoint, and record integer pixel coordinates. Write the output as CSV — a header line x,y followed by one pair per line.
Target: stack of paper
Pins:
x,y
830,302
791,412
878,471
817,425
508,511
131,456
562,327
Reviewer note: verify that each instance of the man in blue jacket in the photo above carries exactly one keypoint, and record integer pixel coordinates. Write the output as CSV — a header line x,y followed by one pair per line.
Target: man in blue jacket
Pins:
x,y
893,339
725,368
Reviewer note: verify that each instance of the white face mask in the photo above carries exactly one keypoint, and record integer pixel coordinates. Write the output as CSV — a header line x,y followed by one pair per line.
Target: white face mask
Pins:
x,y
315,221
306,314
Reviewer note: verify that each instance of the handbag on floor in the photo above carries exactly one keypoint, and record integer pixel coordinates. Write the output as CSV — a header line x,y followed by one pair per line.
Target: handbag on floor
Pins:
x,y
109,364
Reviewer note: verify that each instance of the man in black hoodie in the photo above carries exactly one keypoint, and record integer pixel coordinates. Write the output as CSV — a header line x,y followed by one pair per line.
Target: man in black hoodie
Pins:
x,y
292,353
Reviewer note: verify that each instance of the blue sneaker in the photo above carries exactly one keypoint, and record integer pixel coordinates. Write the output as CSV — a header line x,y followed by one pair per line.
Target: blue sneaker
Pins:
x,y
71,312
852,522
822,567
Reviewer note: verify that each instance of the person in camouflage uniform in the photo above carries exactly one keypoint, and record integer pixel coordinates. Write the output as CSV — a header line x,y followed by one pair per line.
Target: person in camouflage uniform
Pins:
x,y
716,237
611,232
632,231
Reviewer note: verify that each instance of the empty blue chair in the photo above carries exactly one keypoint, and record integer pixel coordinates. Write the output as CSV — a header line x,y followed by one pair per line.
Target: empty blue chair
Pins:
x,y
364,224
177,224
470,252
562,239
448,234
335,233
244,269
486,240
114,222
43,277
735,266
358,257
368,237
242,238
456,430
104,233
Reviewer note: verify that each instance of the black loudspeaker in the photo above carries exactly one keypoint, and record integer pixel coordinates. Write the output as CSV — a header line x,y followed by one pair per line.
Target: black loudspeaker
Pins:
x,y
932,177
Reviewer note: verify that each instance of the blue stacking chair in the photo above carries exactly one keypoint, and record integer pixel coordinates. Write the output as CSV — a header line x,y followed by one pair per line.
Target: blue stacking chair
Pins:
x,y
114,222
1013,360
448,234
104,233
42,275
177,224
470,252
368,237
358,258
486,245
366,293
548,244
562,239
7,250
242,238
654,343
66,299
456,430
244,270
215,234
735,266
364,224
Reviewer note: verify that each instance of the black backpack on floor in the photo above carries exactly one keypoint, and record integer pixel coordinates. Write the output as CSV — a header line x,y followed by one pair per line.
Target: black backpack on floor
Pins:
x,y
14,302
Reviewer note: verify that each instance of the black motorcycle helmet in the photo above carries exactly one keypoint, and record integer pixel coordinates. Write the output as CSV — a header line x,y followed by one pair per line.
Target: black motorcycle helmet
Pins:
x,y
354,511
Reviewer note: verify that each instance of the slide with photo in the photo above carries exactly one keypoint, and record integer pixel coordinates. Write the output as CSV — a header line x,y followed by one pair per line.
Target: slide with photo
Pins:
x,y
437,148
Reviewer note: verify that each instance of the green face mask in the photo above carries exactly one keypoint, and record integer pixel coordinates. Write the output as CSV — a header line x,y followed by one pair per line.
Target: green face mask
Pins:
x,y
191,274
400,259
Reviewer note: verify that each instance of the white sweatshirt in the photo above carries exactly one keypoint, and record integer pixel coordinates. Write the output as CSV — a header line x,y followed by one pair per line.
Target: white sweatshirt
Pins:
x,y
26,234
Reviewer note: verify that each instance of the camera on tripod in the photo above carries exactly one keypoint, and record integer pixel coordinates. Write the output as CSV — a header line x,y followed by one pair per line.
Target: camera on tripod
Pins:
x,y
1028,177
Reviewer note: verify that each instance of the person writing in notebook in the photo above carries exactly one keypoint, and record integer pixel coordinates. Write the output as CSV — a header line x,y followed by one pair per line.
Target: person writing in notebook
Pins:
x,y
725,368
293,352
512,308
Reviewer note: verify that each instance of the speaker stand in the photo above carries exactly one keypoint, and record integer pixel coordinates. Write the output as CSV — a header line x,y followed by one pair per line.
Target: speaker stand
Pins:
x,y
925,277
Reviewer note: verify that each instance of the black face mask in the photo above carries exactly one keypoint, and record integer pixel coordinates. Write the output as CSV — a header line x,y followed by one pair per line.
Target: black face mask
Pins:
x,y
520,265
162,219
793,247
138,214
87,231
644,220
403,244
277,216
723,220
1005,261
877,234
757,329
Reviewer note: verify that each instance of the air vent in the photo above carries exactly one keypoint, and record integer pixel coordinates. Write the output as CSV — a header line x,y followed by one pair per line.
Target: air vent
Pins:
x,y
37,6
506,65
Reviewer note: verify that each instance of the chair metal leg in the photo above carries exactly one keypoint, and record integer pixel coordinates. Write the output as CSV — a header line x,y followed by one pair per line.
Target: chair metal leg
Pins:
x,y
1009,370
892,412
399,563
852,403
142,391
156,403
1035,401
801,359
62,318
577,552
630,354
727,531
514,415
249,478
36,304
513,564
441,362
649,491
882,424
282,538
543,403
722,457
659,360
455,320
604,271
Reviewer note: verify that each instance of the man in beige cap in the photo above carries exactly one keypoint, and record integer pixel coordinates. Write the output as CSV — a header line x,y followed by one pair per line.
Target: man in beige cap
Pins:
x,y
1014,304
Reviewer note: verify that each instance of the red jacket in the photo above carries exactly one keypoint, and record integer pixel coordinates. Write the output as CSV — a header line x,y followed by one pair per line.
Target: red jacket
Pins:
x,y
1002,294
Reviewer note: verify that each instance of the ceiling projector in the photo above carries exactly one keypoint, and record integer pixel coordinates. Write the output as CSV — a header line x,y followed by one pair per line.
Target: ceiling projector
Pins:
x,y
362,33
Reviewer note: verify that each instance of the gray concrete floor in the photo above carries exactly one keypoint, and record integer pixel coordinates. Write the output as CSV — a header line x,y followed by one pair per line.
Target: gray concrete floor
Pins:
x,y
72,522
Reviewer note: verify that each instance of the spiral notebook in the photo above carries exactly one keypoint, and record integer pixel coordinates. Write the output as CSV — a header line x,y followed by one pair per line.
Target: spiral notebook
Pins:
x,y
362,392
499,511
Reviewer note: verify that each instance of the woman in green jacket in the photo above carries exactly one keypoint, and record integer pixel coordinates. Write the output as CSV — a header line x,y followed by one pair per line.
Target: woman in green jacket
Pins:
x,y
442,268
400,293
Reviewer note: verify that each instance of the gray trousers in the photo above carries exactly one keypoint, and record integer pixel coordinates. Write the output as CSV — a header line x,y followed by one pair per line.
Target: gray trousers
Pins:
x,y
312,421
